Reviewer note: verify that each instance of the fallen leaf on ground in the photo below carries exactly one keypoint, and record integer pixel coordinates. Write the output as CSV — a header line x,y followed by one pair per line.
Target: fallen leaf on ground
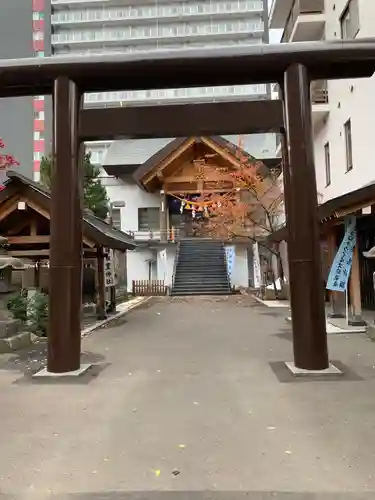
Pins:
x,y
157,472
271,428
181,446
176,472
288,452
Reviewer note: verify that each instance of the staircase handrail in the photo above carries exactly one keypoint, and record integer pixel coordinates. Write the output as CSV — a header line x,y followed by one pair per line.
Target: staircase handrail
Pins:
x,y
226,264
175,262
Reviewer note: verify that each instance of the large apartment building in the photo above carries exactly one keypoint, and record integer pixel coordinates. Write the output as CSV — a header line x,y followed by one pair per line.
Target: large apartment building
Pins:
x,y
81,27
98,26
343,111
18,115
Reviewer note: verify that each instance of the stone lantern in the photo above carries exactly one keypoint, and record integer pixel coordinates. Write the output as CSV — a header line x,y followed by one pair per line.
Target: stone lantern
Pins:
x,y
7,265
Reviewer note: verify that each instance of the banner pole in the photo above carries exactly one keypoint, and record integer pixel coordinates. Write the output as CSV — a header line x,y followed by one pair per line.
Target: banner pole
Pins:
x,y
347,307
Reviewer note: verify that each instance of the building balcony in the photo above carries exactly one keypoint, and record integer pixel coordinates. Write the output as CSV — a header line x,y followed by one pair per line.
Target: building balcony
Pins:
x,y
171,34
155,96
319,101
279,13
302,20
306,21
145,14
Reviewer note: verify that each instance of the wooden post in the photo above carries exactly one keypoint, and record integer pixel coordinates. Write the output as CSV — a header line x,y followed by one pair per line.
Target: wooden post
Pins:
x,y
355,291
306,283
65,274
100,304
337,299
33,227
37,274
112,289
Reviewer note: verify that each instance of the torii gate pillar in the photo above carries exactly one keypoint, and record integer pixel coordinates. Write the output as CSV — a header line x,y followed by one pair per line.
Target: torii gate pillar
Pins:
x,y
301,203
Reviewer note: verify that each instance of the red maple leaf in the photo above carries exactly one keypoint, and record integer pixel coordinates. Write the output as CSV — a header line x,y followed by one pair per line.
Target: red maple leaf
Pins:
x,y
6,161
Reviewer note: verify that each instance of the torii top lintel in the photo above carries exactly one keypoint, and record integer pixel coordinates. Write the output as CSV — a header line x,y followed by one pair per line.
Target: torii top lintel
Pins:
x,y
190,68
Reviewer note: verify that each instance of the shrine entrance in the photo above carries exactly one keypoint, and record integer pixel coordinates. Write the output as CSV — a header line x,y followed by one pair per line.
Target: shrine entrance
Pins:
x,y
187,171
294,66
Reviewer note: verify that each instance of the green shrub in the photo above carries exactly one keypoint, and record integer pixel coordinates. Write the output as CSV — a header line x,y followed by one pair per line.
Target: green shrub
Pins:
x,y
17,306
38,313
33,311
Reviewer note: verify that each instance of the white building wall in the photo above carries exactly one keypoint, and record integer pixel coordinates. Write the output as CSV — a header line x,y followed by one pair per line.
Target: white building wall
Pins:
x,y
240,274
137,265
348,99
171,256
134,198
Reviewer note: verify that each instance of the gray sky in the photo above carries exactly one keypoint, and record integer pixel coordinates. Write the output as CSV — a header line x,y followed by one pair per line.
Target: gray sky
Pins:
x,y
275,35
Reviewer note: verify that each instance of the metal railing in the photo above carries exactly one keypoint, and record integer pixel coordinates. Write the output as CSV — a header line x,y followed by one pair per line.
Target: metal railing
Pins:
x,y
176,257
319,92
301,7
154,12
170,235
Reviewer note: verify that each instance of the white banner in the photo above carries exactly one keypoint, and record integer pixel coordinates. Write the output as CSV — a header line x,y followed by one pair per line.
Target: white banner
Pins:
x,y
230,253
163,265
256,266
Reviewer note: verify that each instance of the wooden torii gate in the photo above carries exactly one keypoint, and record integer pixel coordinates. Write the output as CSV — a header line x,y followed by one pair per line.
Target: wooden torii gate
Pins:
x,y
293,66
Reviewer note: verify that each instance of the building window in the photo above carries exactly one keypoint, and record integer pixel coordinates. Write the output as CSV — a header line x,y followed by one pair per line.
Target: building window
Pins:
x,y
327,164
116,218
348,145
349,20
148,219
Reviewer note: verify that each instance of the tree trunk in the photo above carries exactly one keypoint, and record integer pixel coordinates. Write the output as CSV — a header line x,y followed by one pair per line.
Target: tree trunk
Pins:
x,y
280,267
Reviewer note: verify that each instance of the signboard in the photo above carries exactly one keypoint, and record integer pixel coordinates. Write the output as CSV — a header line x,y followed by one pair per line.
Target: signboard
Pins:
x,y
256,267
340,270
230,254
109,269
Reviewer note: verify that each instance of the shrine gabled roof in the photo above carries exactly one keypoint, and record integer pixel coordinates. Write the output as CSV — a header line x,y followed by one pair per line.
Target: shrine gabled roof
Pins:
x,y
223,143
96,230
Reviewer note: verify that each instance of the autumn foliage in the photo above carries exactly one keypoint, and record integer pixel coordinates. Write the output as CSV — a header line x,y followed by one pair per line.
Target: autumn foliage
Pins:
x,y
252,208
6,161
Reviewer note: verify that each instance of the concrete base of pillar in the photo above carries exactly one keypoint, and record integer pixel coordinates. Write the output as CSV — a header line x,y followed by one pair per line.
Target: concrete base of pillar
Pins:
x,y
357,321
335,315
76,373
300,372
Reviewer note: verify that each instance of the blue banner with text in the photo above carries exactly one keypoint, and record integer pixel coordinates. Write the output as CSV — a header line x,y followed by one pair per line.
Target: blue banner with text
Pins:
x,y
340,270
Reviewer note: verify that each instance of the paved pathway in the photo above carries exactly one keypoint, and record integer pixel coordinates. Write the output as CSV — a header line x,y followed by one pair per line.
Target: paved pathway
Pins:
x,y
187,406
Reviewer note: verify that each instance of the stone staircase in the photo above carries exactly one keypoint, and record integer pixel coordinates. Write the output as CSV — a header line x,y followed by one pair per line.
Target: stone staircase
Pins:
x,y
201,269
12,337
